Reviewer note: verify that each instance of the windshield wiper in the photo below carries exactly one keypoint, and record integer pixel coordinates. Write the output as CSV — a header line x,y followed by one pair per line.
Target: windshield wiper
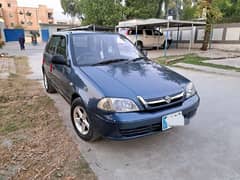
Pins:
x,y
109,61
138,58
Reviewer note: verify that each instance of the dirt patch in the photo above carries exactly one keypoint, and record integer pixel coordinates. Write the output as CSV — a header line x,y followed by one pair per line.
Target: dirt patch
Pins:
x,y
34,143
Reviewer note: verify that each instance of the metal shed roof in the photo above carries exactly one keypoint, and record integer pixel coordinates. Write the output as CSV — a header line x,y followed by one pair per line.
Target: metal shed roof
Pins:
x,y
158,22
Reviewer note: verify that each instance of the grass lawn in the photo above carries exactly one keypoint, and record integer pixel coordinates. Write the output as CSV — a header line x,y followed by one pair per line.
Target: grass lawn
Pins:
x,y
195,60
34,144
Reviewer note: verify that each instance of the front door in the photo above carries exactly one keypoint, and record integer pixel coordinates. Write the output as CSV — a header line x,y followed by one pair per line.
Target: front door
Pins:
x,y
63,72
149,40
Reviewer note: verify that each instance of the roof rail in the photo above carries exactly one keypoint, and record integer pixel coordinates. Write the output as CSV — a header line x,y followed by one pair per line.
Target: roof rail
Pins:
x,y
91,27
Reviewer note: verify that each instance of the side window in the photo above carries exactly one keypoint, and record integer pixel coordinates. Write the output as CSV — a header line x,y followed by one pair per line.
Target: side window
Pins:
x,y
156,33
140,32
51,47
133,32
61,48
148,32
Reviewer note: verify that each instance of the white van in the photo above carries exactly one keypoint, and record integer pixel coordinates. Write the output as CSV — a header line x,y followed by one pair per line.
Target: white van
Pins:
x,y
147,38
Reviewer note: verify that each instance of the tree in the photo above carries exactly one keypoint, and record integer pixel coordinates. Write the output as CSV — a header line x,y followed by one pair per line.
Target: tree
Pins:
x,y
101,12
188,11
140,9
213,14
71,7
230,10
159,8
148,8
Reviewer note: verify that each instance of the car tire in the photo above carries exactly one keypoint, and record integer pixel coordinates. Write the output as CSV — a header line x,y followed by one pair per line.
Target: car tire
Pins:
x,y
47,84
82,124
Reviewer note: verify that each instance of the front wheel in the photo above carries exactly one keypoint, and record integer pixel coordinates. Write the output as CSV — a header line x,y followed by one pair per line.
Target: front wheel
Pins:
x,y
139,45
83,125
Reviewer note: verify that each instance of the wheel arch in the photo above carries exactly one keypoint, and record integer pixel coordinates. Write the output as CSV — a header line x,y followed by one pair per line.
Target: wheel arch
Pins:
x,y
139,41
75,96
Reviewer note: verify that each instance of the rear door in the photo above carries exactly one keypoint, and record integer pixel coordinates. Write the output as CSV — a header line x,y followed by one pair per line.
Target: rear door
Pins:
x,y
47,58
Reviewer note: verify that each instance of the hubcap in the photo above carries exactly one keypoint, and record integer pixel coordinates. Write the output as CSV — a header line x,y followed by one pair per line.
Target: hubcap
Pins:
x,y
81,120
45,81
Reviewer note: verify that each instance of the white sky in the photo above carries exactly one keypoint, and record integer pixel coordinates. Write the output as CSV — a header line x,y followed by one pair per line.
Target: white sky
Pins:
x,y
55,4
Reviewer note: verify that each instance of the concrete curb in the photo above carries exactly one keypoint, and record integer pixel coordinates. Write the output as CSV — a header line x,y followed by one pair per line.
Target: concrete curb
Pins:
x,y
208,69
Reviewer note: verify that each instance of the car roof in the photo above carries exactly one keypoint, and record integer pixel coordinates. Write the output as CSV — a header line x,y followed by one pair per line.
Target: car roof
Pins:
x,y
82,32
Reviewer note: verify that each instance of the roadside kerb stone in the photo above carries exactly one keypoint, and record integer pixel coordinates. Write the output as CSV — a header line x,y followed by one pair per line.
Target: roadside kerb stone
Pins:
x,y
234,62
208,69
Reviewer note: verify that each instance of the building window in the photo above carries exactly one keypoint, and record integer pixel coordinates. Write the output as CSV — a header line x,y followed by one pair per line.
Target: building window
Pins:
x,y
50,16
20,12
10,15
12,24
0,5
28,13
29,23
22,22
9,5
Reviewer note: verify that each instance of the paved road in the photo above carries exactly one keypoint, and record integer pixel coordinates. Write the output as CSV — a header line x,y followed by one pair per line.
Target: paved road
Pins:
x,y
235,62
207,149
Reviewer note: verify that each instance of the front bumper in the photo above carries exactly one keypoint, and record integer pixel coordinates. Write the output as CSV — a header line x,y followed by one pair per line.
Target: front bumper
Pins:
x,y
121,126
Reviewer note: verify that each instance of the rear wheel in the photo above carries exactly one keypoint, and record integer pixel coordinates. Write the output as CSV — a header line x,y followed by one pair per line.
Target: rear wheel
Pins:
x,y
83,125
47,84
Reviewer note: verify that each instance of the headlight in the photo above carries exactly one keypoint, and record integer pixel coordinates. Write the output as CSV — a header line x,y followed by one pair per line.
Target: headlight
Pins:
x,y
117,105
190,90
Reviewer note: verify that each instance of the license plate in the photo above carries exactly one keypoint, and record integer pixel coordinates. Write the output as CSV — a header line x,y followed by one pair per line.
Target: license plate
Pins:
x,y
170,120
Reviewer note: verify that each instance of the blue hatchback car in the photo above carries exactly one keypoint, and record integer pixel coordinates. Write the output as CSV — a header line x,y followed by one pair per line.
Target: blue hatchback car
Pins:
x,y
114,90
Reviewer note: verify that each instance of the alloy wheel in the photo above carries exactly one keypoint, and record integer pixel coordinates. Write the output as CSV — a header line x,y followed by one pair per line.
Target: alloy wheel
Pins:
x,y
80,120
45,82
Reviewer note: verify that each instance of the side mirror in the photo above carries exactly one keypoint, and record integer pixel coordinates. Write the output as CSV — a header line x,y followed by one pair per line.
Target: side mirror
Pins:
x,y
145,52
59,59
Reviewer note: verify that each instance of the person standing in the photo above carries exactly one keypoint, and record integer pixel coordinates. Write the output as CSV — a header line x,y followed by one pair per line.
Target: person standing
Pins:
x,y
21,41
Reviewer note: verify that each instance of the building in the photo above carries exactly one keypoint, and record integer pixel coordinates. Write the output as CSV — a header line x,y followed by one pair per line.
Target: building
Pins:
x,y
8,10
2,26
26,17
29,17
46,30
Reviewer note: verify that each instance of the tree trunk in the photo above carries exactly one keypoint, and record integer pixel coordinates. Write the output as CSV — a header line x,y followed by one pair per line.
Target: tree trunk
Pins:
x,y
166,8
206,37
159,10
208,27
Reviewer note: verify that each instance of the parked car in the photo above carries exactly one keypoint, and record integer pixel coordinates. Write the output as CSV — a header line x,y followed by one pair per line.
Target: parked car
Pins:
x,y
113,89
147,38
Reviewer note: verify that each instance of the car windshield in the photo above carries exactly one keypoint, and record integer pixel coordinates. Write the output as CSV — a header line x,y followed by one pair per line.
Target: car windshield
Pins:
x,y
92,49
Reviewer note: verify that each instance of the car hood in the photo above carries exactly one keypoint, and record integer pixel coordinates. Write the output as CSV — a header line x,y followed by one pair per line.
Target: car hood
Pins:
x,y
140,78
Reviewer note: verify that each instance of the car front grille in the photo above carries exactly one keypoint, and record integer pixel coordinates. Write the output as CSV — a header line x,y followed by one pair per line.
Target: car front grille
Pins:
x,y
163,102
141,130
